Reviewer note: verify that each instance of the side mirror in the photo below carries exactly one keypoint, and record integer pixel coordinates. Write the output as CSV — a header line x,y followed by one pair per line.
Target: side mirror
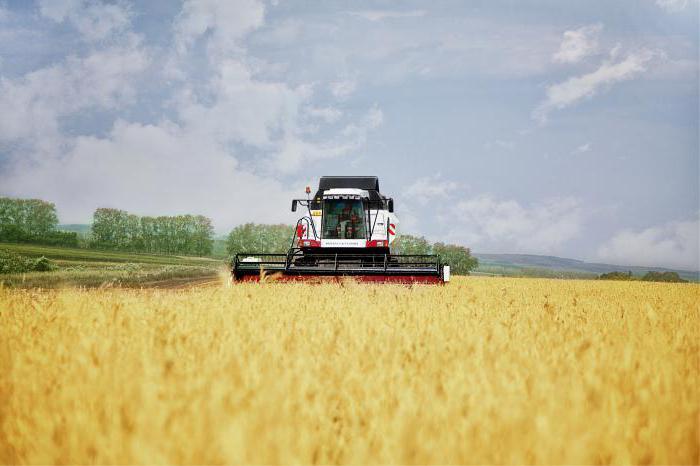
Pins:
x,y
294,205
391,205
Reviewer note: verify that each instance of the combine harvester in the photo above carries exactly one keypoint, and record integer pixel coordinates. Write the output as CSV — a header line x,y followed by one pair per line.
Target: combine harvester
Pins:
x,y
346,231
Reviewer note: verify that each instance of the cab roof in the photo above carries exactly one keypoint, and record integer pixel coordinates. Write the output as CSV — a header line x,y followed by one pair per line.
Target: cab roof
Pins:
x,y
349,193
367,183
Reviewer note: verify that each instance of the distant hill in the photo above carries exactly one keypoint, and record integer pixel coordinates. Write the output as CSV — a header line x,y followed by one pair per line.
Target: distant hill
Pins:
x,y
530,264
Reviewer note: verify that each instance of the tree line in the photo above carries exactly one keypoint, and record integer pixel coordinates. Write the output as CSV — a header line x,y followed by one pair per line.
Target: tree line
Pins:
x,y
459,258
651,276
181,234
36,221
32,221
252,238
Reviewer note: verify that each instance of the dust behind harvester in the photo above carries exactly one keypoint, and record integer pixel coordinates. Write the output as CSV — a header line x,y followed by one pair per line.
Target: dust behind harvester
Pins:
x,y
346,230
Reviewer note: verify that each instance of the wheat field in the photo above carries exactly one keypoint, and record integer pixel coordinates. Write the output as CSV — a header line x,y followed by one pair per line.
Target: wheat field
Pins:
x,y
483,370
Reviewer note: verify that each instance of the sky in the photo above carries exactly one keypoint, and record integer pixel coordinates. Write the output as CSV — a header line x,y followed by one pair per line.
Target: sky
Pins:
x,y
539,127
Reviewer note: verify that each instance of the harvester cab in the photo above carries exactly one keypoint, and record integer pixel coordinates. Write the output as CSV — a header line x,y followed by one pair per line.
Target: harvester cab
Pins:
x,y
338,218
347,229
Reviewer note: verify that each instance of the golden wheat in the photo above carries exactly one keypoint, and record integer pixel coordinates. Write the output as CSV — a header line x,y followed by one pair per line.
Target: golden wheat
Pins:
x,y
479,371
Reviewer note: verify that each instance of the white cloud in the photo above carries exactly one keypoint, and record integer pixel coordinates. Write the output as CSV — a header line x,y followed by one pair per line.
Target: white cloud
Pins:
x,y
379,15
217,114
226,22
389,51
578,44
674,244
102,80
372,120
430,188
341,90
239,108
294,151
282,32
327,114
674,6
94,20
488,224
231,109
235,106
150,169
579,88
582,149
268,117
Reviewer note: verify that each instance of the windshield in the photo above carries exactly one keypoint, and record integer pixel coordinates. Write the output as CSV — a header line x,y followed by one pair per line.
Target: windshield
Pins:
x,y
343,219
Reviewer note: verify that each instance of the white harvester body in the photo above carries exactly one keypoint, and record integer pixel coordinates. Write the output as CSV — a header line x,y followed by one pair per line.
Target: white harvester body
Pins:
x,y
346,231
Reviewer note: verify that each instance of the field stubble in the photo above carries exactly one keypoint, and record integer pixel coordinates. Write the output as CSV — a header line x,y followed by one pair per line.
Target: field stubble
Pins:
x,y
484,370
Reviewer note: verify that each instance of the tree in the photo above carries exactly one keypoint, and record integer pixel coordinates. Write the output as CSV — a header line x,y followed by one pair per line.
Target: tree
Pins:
x,y
459,258
279,237
203,236
41,218
252,237
240,239
182,234
148,234
105,228
31,220
132,227
408,244
616,275
671,277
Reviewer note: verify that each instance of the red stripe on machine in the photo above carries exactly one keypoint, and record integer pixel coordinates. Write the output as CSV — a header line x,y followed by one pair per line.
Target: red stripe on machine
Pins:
x,y
377,244
309,243
400,279
392,228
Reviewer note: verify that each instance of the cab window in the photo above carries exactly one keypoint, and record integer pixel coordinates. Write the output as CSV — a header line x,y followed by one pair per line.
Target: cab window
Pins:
x,y
343,219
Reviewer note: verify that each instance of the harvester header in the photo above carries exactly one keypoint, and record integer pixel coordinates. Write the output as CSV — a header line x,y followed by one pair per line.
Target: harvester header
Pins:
x,y
346,230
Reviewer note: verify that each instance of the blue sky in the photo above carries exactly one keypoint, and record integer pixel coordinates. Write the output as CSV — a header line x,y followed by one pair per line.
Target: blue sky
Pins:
x,y
545,127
